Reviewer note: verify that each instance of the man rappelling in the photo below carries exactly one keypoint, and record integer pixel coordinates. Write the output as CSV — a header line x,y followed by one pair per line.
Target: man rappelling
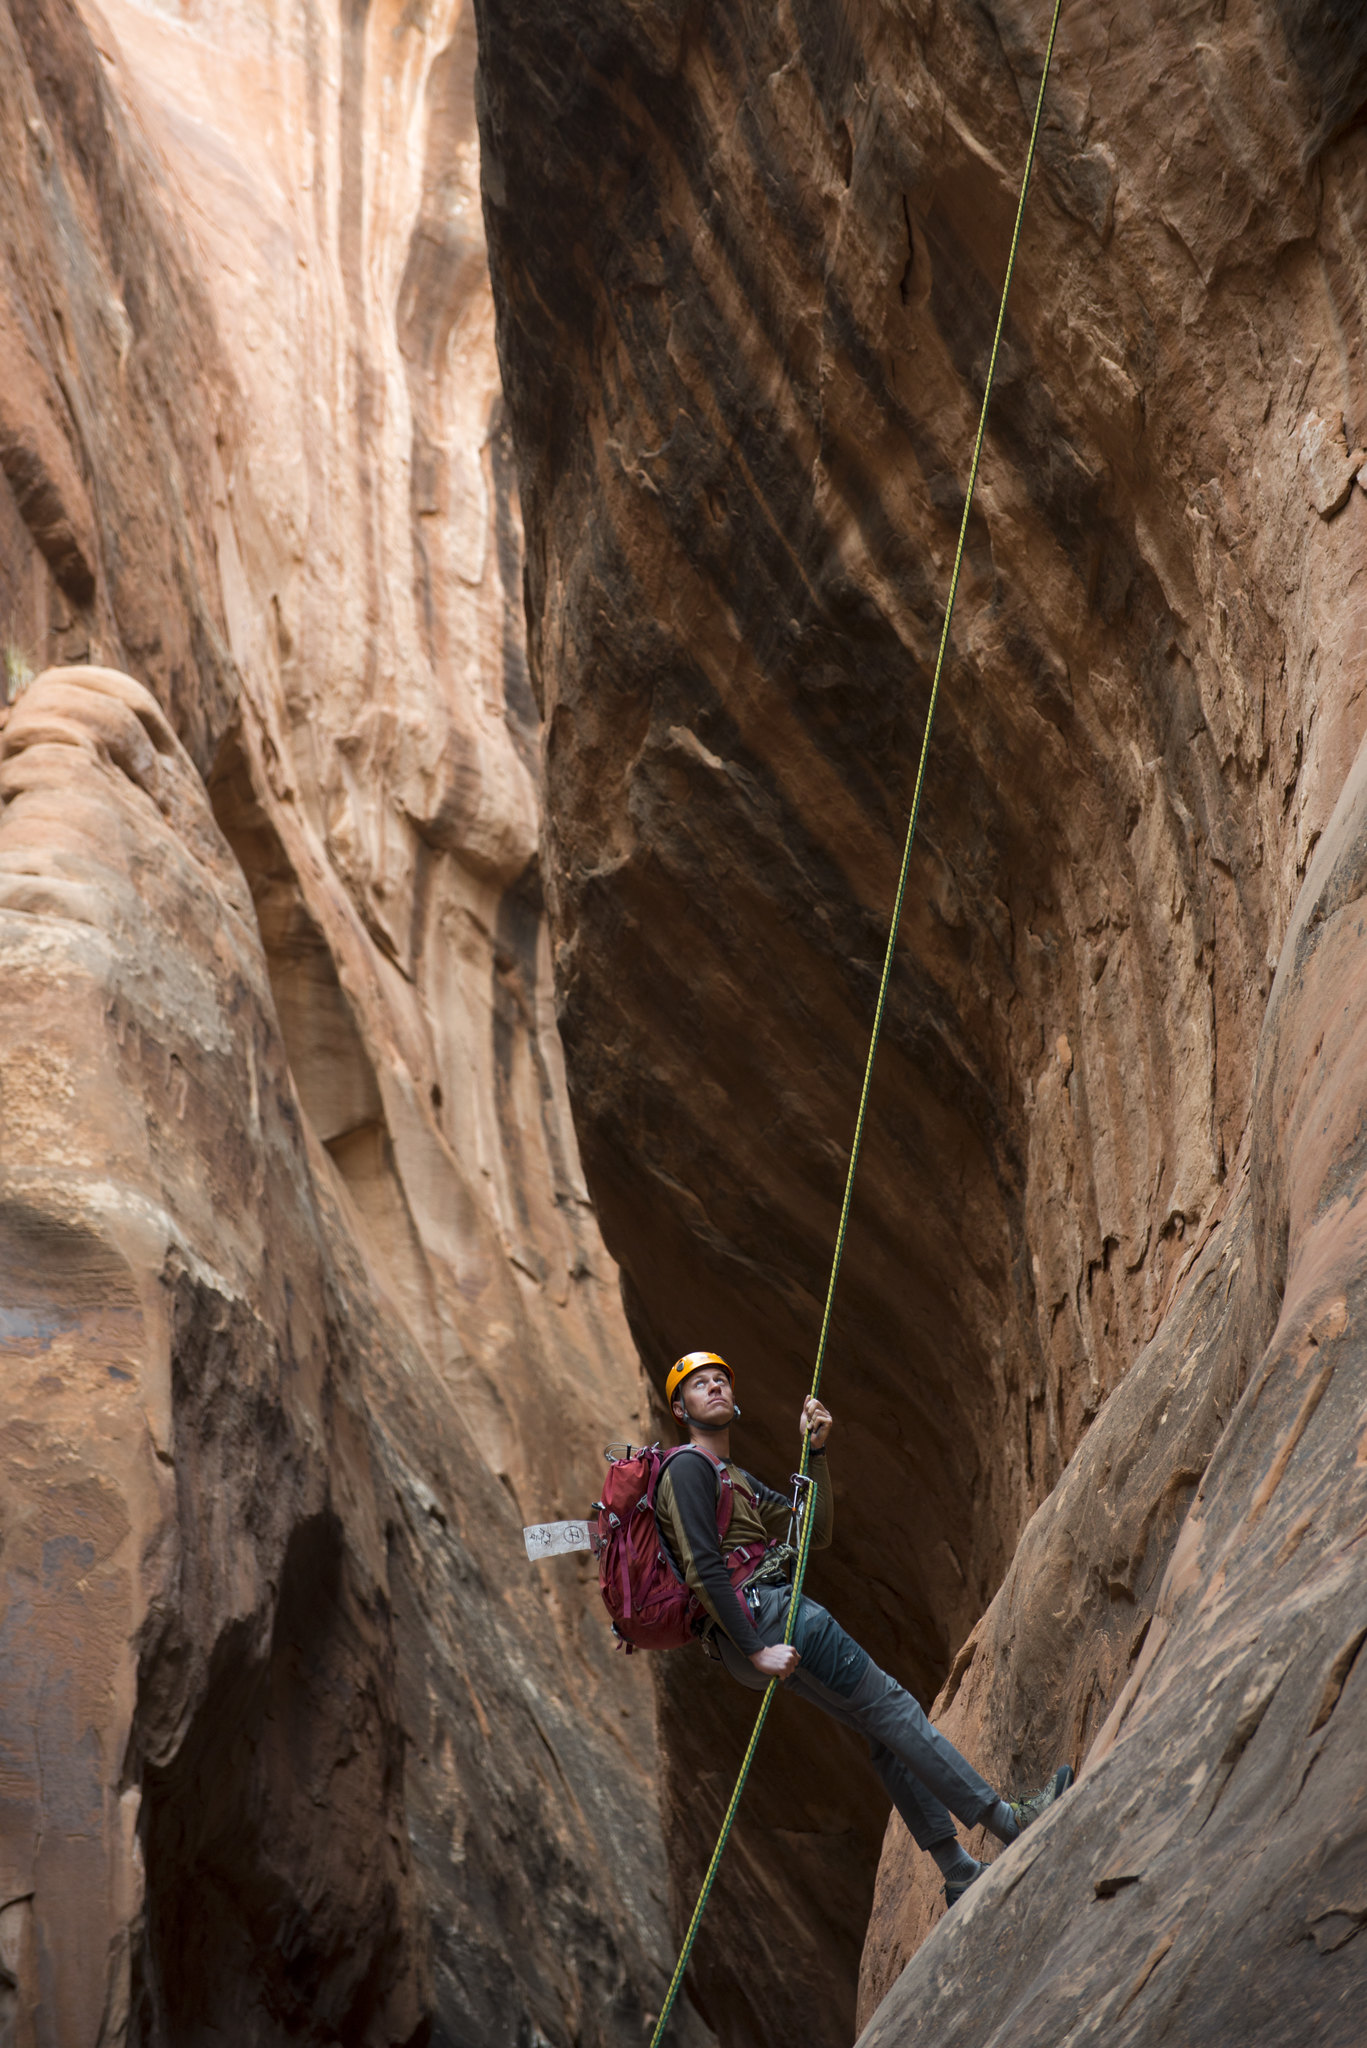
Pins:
x,y
726,1536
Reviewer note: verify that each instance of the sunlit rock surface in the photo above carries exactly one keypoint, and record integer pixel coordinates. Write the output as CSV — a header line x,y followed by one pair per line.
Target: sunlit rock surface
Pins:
x,y
304,1306
746,264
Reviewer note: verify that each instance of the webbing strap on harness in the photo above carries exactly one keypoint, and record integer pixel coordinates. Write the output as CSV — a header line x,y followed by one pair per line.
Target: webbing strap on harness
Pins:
x,y
800,1570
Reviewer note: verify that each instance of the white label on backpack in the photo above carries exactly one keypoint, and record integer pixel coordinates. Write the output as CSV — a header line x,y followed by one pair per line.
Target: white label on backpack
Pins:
x,y
553,1539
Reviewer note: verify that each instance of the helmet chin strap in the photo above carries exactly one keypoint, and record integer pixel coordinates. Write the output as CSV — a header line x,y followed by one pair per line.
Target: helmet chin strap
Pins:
x,y
713,1428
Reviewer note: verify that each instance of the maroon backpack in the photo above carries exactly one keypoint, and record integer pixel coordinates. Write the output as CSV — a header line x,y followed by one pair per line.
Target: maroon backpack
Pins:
x,y
650,1606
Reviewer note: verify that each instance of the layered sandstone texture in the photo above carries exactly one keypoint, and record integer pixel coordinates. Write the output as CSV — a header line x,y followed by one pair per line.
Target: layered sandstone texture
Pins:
x,y
1207,1880
746,264
303,1306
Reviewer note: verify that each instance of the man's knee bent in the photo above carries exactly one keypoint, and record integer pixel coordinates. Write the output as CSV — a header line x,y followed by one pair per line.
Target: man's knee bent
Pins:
x,y
828,1654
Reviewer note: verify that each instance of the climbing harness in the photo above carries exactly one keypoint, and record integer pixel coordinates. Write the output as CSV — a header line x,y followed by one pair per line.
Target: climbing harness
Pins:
x,y
804,1545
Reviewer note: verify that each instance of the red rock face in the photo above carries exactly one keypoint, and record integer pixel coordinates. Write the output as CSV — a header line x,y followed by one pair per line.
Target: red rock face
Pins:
x,y
302,1299
1204,1881
112,376
199,1656
746,265
303,1305
280,1714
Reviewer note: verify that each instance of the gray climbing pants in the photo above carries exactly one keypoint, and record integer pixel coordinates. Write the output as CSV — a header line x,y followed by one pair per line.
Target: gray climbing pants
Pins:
x,y
923,1774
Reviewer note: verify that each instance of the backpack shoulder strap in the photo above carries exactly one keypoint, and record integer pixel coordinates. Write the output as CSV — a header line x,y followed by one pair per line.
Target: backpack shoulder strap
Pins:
x,y
716,1464
723,1478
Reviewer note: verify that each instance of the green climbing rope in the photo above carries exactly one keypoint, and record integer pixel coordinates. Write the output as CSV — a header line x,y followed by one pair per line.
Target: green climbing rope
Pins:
x,y
804,1546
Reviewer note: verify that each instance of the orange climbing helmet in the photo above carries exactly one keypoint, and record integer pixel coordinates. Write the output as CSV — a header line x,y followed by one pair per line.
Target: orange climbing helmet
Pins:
x,y
692,1361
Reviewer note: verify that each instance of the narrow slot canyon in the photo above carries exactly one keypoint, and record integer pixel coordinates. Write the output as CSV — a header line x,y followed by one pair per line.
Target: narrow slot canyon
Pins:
x,y
479,486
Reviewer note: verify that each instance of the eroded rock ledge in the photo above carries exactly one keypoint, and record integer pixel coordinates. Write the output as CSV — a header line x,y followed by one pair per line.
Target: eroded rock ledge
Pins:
x,y
745,264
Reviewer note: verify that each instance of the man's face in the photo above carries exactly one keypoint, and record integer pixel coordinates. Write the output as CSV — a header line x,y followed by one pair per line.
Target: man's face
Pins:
x,y
707,1398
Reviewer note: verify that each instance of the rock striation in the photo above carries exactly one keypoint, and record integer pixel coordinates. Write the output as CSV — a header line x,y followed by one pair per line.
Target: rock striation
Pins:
x,y
745,264
200,1687
1206,1878
303,1303
307,873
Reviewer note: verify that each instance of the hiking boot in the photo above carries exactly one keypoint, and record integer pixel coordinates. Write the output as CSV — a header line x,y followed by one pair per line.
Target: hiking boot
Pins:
x,y
957,1886
1026,1810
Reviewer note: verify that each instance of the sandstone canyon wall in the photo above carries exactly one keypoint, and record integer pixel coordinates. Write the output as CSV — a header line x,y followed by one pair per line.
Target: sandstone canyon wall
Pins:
x,y
304,1307
1102,1269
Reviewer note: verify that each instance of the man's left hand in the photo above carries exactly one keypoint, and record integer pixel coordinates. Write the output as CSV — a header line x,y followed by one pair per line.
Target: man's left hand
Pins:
x,y
816,1422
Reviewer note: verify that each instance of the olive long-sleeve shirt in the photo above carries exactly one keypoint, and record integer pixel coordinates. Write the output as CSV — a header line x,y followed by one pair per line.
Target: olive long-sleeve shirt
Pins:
x,y
686,1509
